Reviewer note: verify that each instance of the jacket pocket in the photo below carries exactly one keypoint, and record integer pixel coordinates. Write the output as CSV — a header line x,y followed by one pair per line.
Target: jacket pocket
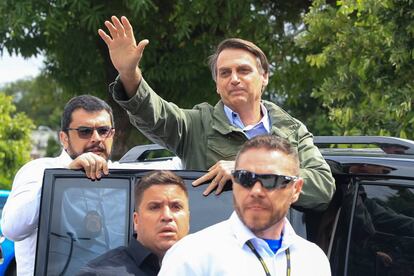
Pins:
x,y
223,147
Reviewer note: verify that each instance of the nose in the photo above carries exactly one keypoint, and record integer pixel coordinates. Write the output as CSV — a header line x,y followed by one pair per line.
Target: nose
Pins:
x,y
166,214
234,78
95,136
257,189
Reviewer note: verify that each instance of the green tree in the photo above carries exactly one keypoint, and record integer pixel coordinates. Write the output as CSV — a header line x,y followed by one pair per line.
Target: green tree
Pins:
x,y
40,98
15,143
363,49
182,34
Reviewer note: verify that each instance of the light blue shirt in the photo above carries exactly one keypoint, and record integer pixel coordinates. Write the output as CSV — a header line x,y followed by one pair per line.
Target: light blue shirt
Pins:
x,y
262,127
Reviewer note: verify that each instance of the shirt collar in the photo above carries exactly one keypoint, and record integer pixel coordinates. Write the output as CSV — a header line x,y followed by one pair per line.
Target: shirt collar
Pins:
x,y
64,158
243,234
234,118
141,254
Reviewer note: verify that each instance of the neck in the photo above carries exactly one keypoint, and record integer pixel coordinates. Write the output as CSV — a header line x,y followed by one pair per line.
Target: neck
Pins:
x,y
250,115
159,253
274,232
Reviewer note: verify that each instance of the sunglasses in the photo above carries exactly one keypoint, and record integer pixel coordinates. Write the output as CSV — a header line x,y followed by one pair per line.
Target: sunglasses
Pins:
x,y
269,181
87,132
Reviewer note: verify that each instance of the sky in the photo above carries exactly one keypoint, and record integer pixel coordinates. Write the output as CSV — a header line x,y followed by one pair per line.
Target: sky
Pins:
x,y
13,68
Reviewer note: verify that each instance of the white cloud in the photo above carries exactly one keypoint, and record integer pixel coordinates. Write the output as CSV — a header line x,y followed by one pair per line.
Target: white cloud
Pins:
x,y
14,68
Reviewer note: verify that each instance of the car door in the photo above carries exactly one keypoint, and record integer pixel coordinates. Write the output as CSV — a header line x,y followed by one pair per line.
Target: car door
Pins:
x,y
81,219
375,231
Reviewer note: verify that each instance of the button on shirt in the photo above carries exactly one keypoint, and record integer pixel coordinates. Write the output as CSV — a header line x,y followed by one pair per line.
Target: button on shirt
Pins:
x,y
221,250
262,127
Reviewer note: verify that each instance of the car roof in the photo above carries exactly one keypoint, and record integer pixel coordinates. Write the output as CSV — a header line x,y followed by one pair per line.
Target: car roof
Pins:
x,y
373,154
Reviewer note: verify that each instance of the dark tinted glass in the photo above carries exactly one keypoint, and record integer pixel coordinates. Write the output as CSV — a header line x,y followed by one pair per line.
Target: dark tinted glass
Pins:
x,y
207,210
382,240
87,132
270,181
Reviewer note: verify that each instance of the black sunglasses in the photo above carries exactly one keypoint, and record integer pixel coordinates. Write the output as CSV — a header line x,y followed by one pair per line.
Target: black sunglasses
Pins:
x,y
269,181
86,132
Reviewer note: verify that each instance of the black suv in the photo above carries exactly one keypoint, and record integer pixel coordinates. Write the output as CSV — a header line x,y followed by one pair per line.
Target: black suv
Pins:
x,y
368,228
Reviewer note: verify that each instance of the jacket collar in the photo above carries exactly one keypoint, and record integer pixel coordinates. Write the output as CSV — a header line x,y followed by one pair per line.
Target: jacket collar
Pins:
x,y
282,124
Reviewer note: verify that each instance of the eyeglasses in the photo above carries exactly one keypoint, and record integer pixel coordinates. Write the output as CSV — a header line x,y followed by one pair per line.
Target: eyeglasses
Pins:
x,y
87,132
269,181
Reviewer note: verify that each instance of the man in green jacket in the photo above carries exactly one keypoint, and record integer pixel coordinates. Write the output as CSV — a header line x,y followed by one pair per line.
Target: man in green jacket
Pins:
x,y
208,137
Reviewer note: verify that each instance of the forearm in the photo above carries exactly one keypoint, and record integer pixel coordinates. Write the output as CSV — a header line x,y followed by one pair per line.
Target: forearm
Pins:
x,y
131,82
161,121
319,184
318,189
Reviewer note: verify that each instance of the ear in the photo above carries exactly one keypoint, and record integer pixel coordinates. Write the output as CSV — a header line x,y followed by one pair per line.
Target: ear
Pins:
x,y
297,188
64,139
136,221
265,79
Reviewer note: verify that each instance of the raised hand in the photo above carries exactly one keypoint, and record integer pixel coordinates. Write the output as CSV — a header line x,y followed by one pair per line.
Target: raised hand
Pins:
x,y
124,52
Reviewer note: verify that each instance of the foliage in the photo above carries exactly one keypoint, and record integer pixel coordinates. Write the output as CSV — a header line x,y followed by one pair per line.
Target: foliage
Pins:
x,y
38,98
363,49
182,34
15,144
53,148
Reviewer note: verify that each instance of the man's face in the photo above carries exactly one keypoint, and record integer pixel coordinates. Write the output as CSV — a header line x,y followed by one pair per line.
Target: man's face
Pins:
x,y
239,79
162,218
76,145
262,210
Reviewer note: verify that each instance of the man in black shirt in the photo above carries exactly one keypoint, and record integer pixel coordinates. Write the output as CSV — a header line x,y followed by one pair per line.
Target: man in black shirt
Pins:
x,y
161,218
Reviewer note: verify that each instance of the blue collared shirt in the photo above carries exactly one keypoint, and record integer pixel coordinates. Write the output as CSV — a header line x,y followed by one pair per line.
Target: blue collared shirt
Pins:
x,y
262,127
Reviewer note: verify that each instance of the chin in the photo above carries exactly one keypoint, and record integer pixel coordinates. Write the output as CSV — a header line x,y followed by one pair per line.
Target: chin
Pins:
x,y
256,222
167,244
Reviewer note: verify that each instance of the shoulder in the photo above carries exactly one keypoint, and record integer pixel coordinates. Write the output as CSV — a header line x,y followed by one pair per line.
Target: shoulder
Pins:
x,y
276,111
106,263
35,167
203,106
204,239
304,247
40,162
118,255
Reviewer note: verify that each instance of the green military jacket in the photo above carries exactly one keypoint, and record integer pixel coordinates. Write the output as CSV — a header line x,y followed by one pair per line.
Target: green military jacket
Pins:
x,y
201,136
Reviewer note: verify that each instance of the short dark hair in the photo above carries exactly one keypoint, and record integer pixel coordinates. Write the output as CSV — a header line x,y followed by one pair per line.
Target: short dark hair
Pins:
x,y
157,178
238,43
87,102
271,143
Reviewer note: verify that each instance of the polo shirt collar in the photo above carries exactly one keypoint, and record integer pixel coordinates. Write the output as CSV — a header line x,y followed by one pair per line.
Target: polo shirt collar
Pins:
x,y
141,254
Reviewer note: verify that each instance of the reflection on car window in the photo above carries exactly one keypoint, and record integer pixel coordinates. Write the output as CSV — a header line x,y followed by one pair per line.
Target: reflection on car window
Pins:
x,y
382,240
86,221
88,218
206,211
